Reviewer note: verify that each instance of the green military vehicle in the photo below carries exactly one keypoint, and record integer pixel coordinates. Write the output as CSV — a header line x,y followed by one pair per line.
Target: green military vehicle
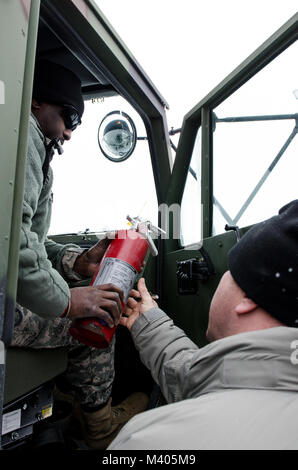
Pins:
x,y
235,164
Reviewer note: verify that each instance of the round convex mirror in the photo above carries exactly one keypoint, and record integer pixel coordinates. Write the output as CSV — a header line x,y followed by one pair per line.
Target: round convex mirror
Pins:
x,y
117,136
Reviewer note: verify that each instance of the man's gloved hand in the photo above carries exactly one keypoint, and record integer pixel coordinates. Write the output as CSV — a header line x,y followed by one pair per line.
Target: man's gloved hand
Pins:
x,y
88,262
135,308
103,302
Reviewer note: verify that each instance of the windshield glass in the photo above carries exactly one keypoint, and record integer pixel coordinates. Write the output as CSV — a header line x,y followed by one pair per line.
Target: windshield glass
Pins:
x,y
255,148
93,193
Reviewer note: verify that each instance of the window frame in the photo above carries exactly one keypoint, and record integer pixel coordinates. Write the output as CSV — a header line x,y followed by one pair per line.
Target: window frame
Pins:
x,y
201,115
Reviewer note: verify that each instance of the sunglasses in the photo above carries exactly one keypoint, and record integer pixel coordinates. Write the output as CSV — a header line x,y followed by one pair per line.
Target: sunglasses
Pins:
x,y
70,117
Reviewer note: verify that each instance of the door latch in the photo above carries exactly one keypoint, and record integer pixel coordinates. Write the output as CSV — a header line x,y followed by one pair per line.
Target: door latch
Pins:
x,y
192,271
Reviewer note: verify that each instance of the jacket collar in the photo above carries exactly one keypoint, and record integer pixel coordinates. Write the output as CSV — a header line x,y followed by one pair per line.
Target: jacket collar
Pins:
x,y
263,359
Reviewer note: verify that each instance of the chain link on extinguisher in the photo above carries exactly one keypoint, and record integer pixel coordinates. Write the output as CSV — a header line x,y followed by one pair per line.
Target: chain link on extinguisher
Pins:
x,y
120,265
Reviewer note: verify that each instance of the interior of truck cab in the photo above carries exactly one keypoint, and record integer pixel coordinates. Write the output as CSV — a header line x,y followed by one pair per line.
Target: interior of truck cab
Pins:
x,y
237,148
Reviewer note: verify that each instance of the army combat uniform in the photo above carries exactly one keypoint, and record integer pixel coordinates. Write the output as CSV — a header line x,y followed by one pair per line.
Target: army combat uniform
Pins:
x,y
44,269
90,371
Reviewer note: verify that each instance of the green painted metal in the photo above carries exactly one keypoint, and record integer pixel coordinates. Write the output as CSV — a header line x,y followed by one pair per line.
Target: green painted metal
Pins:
x,y
28,369
190,312
21,156
17,31
13,31
179,174
207,172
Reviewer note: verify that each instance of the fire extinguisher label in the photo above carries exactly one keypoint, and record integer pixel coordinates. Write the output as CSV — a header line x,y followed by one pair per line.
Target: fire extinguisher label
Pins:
x,y
118,272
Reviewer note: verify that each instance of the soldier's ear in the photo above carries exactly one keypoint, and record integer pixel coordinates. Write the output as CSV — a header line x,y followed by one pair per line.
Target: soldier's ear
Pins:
x,y
246,305
35,104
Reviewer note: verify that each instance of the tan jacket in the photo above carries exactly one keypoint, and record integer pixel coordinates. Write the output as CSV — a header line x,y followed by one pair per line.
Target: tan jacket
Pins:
x,y
240,392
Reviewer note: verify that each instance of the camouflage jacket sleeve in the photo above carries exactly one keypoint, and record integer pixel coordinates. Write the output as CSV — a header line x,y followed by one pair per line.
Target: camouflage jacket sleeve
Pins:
x,y
63,258
41,288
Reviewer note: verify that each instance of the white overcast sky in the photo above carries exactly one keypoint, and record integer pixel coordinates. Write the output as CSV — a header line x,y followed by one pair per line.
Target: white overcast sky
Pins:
x,y
186,48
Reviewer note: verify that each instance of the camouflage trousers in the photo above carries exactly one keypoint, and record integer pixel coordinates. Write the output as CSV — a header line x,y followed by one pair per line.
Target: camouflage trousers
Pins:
x,y
90,371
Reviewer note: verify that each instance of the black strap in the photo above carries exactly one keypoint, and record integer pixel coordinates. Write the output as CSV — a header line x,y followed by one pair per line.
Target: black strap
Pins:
x,y
49,156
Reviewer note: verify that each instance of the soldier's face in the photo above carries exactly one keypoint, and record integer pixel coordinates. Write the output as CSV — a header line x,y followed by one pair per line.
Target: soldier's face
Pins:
x,y
51,121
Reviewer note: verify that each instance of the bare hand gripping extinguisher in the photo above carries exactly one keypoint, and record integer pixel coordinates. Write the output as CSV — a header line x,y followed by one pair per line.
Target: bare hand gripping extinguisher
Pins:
x,y
120,265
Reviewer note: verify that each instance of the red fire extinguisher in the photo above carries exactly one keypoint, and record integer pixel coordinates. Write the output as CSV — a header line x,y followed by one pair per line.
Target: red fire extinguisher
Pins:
x,y
120,265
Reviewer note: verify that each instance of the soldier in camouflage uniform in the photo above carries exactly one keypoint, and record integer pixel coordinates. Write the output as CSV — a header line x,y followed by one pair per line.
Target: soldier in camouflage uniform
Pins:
x,y
46,305
84,363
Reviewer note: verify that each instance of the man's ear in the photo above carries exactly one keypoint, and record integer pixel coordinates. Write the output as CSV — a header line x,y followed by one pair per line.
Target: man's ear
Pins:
x,y
35,104
246,305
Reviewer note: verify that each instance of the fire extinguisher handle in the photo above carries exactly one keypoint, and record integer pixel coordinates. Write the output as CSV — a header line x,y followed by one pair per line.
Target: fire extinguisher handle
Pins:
x,y
146,228
152,247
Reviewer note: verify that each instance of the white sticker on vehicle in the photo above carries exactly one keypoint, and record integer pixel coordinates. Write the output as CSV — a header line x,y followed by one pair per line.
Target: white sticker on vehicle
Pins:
x,y
118,272
2,92
11,421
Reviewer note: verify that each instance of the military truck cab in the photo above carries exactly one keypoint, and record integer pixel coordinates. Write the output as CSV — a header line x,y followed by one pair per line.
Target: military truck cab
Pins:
x,y
234,166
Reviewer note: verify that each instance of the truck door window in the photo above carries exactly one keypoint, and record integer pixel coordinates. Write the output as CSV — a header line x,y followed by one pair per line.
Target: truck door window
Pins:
x,y
90,192
254,146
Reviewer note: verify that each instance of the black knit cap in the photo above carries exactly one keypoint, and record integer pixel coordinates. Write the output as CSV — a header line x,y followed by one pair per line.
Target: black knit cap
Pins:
x,y
54,83
265,264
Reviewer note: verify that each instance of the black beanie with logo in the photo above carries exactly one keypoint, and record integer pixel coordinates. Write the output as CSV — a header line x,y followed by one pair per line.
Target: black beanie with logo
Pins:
x,y
265,264
56,84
